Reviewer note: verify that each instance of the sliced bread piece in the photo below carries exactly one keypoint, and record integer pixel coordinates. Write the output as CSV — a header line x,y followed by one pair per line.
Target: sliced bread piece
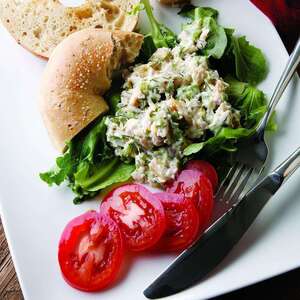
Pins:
x,y
40,25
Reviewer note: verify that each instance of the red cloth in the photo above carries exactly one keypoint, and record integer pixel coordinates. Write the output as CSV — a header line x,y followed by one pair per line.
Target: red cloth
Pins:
x,y
285,15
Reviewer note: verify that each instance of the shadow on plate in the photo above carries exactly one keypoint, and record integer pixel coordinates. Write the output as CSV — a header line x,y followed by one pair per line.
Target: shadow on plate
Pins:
x,y
258,231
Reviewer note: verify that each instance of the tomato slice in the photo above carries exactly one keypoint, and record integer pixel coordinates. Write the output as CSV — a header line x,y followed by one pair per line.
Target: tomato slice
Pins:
x,y
198,188
90,251
206,168
138,213
182,222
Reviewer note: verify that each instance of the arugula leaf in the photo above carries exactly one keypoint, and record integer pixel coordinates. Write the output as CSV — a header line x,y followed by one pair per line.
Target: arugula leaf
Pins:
x,y
246,62
147,49
250,63
136,9
193,148
215,143
113,96
257,115
251,102
63,169
94,143
242,60
113,101
88,164
195,13
121,173
89,174
161,35
217,39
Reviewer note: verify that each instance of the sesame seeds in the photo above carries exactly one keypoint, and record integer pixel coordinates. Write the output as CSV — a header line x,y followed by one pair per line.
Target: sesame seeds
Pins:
x,y
77,79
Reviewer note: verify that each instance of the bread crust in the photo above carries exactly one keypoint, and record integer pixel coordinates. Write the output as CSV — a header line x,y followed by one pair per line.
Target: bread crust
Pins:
x,y
77,75
40,25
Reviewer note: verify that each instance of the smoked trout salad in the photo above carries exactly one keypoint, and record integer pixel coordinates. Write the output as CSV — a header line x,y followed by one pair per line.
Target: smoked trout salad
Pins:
x,y
187,96
175,117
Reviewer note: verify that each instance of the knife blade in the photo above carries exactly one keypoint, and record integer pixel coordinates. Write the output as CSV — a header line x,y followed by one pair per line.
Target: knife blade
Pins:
x,y
206,253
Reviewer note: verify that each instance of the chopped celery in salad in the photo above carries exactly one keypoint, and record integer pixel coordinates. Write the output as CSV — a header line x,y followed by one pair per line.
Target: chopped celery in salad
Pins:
x,y
168,103
186,96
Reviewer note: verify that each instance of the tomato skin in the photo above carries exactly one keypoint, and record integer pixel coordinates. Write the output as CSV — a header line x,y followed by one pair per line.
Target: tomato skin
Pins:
x,y
206,168
205,202
139,215
182,222
90,252
198,188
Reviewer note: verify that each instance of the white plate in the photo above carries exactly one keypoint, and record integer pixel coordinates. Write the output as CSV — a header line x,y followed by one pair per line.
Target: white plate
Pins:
x,y
34,215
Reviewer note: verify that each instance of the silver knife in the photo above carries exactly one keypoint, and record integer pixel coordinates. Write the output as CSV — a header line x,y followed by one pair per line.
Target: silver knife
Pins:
x,y
217,241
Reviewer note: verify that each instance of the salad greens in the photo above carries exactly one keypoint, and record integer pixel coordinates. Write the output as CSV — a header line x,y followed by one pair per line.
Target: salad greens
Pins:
x,y
243,66
90,164
161,35
248,61
217,38
250,101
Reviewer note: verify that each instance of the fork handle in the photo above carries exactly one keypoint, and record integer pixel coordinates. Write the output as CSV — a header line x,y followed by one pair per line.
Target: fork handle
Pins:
x,y
285,78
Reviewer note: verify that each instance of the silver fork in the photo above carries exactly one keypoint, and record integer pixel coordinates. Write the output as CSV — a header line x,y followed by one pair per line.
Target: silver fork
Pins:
x,y
252,152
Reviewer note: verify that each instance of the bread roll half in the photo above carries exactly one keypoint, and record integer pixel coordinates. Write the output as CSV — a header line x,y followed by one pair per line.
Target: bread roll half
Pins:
x,y
77,74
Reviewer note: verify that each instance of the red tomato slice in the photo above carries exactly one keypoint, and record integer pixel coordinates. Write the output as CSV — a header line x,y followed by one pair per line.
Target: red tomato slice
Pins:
x,y
90,252
138,213
196,187
182,222
206,168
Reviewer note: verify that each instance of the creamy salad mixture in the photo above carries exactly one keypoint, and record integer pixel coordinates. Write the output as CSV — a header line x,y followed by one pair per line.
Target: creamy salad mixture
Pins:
x,y
167,104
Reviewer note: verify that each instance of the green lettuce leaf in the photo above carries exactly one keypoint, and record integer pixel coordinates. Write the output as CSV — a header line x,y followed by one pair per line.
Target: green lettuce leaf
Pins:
x,y
89,164
216,41
241,59
147,49
217,38
195,13
161,35
136,9
64,168
113,96
222,140
250,63
122,172
251,102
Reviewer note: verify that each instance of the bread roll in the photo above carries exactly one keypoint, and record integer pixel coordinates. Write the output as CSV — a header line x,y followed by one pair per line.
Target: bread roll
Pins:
x,y
40,25
77,74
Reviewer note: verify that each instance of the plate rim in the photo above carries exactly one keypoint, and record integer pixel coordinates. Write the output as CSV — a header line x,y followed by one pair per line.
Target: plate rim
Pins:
x,y
10,242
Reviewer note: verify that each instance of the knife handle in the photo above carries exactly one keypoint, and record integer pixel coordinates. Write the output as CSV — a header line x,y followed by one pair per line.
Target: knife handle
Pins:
x,y
232,226
245,211
289,166
208,251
